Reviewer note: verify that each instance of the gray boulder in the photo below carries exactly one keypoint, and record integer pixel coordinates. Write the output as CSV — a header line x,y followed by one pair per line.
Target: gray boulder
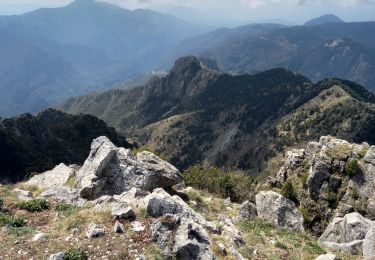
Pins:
x,y
163,230
63,194
58,256
192,242
118,227
346,234
247,211
369,244
111,171
370,155
327,256
56,177
122,211
23,194
279,210
94,231
160,203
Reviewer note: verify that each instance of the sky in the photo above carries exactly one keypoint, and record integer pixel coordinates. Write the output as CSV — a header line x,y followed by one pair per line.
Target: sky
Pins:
x,y
227,12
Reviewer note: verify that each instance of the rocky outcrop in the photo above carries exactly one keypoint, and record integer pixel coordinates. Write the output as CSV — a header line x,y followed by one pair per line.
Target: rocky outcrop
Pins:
x,y
247,211
370,156
279,210
110,170
369,243
23,194
346,234
56,177
64,194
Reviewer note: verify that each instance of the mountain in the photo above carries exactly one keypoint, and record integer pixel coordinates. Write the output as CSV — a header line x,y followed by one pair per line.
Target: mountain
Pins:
x,y
327,18
195,114
341,50
37,143
54,53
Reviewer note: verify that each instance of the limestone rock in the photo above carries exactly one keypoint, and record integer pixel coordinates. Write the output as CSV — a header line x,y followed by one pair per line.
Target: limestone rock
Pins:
x,y
370,155
192,242
111,171
327,256
133,197
347,229
118,227
248,211
56,177
346,234
23,194
319,173
63,194
160,203
58,256
94,231
122,211
163,232
369,244
279,210
39,237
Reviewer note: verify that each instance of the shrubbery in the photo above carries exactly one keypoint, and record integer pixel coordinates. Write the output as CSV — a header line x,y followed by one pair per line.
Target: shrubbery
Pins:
x,y
12,220
288,191
34,205
233,184
75,254
351,168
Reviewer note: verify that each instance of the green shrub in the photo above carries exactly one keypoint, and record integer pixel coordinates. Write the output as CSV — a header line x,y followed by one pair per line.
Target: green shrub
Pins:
x,y
288,191
354,193
281,245
65,208
313,247
75,254
34,205
22,231
233,184
12,220
351,168
331,198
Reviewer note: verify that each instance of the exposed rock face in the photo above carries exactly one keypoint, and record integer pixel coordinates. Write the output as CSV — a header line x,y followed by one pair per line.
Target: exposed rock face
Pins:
x,y
279,210
370,156
56,177
369,244
163,230
319,172
64,194
248,211
110,170
347,233
122,211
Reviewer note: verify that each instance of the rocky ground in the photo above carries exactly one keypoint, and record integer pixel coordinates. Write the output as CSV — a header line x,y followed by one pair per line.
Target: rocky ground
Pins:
x,y
121,205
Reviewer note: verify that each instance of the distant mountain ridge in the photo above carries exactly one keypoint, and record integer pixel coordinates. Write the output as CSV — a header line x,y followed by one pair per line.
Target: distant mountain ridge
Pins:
x,y
343,50
327,18
54,53
195,114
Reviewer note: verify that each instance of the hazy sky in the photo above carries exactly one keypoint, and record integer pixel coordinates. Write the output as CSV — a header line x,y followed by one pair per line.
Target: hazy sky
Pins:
x,y
227,11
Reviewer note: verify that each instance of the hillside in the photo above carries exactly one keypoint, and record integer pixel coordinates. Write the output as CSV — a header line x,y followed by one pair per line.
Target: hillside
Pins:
x,y
196,114
314,51
31,144
53,53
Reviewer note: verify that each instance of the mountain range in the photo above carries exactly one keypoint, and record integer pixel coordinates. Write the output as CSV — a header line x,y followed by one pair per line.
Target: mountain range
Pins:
x,y
318,51
196,114
54,53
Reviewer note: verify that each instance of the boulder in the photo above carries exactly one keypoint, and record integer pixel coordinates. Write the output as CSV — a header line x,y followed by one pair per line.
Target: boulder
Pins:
x,y
56,177
160,203
370,156
63,194
247,211
111,171
279,210
133,197
118,227
137,226
352,226
94,231
121,210
192,242
58,256
39,237
319,173
23,194
346,234
369,243
327,256
163,232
